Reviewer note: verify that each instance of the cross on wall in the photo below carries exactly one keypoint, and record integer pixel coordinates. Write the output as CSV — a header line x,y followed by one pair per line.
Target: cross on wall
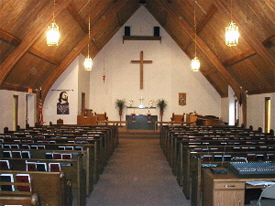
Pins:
x,y
141,62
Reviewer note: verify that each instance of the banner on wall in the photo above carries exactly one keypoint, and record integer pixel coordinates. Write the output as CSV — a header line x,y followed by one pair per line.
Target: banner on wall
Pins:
x,y
63,103
182,99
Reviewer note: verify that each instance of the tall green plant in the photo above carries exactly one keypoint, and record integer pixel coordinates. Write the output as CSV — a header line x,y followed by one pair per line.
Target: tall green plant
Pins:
x,y
120,104
161,104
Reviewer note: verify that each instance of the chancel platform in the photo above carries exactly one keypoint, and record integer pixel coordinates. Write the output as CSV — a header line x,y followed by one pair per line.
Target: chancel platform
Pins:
x,y
141,122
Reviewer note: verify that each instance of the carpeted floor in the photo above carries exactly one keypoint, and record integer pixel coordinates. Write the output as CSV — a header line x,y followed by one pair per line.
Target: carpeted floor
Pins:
x,y
137,175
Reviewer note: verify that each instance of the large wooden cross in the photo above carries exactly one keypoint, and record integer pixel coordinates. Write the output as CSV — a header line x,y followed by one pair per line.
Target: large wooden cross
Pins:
x,y
141,62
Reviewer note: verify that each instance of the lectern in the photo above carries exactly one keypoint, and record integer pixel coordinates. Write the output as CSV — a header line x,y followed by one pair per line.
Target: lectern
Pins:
x,y
86,118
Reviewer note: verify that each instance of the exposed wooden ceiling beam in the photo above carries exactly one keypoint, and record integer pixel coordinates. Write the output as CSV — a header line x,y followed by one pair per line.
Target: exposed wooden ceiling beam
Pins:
x,y
41,55
260,91
14,87
99,24
209,72
205,19
77,17
29,39
239,58
205,49
16,41
119,20
269,42
9,37
249,36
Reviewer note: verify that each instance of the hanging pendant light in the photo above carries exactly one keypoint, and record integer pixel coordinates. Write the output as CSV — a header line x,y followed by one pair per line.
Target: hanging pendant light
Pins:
x,y
195,63
231,33
53,34
88,63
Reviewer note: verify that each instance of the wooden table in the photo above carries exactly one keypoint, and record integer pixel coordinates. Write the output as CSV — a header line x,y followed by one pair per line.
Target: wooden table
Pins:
x,y
227,189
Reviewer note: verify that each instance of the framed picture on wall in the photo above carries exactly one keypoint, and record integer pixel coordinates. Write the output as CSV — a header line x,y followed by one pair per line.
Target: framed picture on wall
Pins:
x,y
182,99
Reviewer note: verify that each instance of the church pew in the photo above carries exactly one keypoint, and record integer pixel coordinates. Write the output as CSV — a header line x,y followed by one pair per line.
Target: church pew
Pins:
x,y
12,198
72,169
106,143
95,160
51,187
82,160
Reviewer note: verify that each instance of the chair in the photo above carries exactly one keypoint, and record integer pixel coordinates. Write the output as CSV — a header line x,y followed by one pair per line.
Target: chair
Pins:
x,y
101,117
267,197
59,121
179,118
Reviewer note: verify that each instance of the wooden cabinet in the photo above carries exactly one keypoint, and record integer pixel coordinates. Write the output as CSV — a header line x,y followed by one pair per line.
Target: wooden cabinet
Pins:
x,y
227,189
220,191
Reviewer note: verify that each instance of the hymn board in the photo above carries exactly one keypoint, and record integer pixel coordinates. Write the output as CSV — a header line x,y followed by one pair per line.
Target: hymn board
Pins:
x,y
141,62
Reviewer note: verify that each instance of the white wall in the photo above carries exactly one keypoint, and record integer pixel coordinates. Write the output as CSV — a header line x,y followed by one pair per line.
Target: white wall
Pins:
x,y
83,83
67,81
6,109
256,110
225,109
168,75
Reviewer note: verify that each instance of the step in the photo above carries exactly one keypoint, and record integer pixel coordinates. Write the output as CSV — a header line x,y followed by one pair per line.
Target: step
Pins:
x,y
140,134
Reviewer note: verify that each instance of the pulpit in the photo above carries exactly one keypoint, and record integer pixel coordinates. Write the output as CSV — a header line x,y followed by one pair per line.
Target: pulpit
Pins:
x,y
86,117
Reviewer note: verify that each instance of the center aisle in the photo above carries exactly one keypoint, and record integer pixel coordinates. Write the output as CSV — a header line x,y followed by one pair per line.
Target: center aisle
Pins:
x,y
137,175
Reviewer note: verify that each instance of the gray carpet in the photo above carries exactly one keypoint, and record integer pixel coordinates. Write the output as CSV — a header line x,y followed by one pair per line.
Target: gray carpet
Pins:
x,y
137,175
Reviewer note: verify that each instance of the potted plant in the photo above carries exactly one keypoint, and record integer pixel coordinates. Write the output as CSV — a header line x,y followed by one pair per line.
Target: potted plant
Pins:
x,y
120,104
162,105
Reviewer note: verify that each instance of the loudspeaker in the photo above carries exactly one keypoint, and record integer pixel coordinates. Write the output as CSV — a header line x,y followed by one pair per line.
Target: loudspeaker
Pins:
x,y
127,31
156,31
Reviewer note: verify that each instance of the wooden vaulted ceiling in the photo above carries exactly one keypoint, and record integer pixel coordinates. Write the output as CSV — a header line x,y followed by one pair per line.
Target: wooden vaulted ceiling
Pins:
x,y
27,62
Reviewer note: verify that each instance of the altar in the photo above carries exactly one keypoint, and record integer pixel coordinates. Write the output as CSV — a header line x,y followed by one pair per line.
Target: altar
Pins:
x,y
141,122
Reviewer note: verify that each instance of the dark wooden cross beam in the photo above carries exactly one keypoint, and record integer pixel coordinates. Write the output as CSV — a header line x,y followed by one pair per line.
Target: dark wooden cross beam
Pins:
x,y
141,62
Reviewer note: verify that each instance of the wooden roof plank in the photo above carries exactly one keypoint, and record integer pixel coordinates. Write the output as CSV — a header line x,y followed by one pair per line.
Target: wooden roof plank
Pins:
x,y
28,41
77,49
249,36
205,49
77,17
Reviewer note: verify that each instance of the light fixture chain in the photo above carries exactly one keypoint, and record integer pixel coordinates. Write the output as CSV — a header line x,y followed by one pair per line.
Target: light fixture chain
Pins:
x,y
89,34
53,10
231,11
195,29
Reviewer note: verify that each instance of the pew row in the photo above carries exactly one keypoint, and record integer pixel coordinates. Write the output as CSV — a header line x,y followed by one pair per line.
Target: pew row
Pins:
x,y
52,189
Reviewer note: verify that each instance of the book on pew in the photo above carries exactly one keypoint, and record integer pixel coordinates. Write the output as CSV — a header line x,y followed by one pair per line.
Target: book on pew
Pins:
x,y
7,154
14,146
26,154
61,147
67,156
54,167
78,148
7,146
57,155
16,154
34,147
25,146
4,165
31,166
69,148
6,178
41,166
25,178
41,146
49,155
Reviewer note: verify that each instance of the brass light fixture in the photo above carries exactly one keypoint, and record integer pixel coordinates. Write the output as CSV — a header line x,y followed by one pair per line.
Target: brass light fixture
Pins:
x,y
231,33
195,63
53,34
88,63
